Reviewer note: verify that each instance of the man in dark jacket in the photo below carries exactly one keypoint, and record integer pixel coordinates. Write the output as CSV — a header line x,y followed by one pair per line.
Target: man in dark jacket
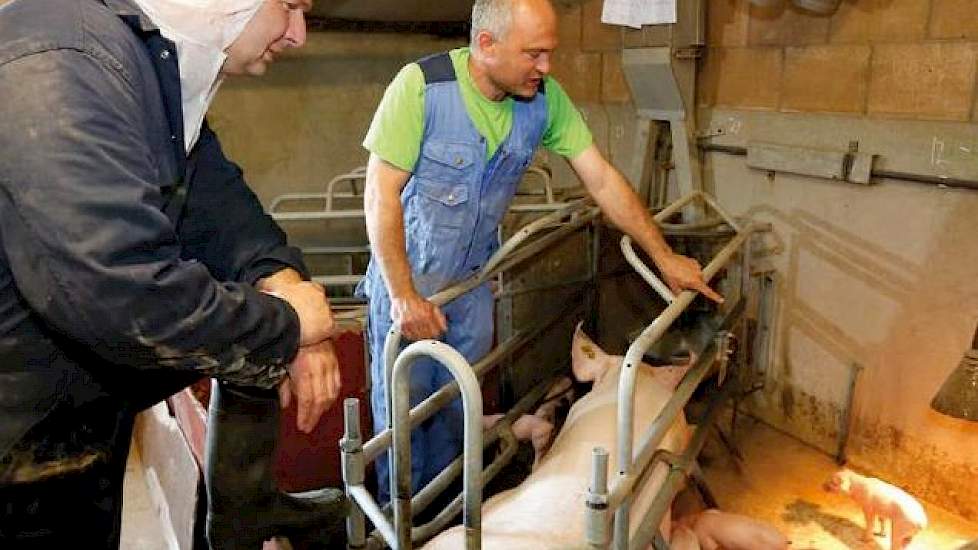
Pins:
x,y
134,260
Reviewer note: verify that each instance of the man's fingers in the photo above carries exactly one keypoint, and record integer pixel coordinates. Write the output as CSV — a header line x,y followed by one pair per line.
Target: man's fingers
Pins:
x,y
713,295
440,320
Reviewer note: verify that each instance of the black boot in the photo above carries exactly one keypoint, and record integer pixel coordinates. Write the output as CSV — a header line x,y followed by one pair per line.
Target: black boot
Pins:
x,y
244,508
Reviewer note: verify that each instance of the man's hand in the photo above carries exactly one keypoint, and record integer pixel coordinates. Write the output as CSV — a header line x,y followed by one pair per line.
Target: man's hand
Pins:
x,y
417,318
310,304
314,380
681,273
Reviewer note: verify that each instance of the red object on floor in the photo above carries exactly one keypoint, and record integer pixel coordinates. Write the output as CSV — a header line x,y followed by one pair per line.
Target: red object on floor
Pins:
x,y
303,461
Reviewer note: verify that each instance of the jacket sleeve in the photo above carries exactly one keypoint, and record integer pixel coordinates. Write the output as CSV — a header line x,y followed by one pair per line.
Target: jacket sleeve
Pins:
x,y
90,249
224,225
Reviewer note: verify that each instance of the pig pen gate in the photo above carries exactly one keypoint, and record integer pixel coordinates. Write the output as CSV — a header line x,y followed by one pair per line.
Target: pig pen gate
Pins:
x,y
633,467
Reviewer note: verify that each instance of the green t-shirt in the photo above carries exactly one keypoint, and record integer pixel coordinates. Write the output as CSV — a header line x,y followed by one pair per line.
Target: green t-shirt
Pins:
x,y
398,126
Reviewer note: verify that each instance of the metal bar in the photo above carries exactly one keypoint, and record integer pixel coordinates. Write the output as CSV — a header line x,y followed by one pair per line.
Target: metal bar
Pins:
x,y
663,421
450,391
325,250
597,500
845,422
362,497
632,360
676,479
358,173
957,183
393,341
310,216
351,448
502,430
660,288
531,229
472,407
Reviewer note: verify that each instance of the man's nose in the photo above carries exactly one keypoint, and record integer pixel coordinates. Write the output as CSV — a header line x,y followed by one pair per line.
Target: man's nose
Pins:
x,y
295,34
543,64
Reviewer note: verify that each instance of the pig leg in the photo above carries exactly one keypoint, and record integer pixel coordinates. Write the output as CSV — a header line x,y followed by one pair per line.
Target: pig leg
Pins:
x,y
870,518
902,534
488,421
683,538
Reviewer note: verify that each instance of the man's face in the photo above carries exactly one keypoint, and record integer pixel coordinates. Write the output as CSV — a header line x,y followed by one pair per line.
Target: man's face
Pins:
x,y
277,25
518,61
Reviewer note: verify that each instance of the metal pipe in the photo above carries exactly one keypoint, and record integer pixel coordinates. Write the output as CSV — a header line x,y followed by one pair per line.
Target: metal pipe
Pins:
x,y
450,391
944,181
531,229
362,497
472,410
393,341
351,448
845,422
358,173
632,360
597,500
676,479
502,430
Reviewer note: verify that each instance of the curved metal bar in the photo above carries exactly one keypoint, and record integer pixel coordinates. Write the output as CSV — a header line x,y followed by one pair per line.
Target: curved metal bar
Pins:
x,y
547,178
358,173
633,359
646,273
472,407
497,262
531,229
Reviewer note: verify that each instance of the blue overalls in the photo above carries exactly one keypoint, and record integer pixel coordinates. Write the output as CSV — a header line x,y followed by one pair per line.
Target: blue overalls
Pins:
x,y
453,205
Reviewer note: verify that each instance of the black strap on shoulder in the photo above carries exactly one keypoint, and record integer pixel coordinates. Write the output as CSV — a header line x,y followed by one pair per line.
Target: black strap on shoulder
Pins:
x,y
437,68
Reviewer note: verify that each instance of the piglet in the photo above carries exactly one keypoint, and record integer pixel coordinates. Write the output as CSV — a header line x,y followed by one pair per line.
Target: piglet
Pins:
x,y
879,499
683,538
721,530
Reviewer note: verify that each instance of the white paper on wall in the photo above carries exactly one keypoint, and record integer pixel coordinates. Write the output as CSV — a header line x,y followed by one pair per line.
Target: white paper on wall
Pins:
x,y
635,13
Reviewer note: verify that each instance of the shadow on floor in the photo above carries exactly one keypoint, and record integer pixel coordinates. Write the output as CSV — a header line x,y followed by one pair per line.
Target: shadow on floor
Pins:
x,y
846,531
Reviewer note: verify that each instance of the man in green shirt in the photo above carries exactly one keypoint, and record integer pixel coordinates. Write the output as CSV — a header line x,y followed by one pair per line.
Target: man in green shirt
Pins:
x,y
448,145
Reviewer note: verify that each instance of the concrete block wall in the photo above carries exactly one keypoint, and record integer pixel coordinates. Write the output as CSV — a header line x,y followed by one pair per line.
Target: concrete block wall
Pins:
x,y
886,276
912,59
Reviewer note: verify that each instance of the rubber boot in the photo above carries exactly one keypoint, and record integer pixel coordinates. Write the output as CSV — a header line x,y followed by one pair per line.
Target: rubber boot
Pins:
x,y
244,507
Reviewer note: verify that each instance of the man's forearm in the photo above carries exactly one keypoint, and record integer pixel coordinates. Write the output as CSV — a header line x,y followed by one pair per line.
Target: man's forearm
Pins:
x,y
621,205
385,228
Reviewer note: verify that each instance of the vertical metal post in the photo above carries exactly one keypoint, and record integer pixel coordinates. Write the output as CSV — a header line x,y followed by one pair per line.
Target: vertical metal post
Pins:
x,y
472,439
351,447
597,500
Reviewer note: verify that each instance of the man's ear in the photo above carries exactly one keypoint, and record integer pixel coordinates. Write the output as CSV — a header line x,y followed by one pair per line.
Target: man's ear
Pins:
x,y
486,42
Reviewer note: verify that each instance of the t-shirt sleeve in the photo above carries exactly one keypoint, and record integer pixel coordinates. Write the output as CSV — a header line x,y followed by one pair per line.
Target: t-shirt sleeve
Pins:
x,y
398,125
567,134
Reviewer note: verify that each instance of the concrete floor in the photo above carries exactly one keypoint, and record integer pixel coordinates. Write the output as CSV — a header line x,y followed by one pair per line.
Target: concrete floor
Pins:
x,y
780,482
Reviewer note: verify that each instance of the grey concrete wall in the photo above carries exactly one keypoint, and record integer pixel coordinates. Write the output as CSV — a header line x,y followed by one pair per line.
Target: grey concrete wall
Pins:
x,y
884,276
302,123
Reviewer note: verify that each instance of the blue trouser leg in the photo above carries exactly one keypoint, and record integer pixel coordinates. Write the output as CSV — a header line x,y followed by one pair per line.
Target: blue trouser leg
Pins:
x,y
437,441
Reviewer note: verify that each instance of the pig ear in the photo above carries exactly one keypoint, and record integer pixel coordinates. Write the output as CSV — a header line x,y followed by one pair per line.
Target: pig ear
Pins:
x,y
587,359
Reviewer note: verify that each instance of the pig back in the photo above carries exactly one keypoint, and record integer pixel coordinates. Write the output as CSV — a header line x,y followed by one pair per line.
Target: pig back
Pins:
x,y
546,511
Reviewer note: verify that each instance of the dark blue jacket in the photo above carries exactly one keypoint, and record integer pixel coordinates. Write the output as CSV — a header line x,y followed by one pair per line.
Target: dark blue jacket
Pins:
x,y
120,257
